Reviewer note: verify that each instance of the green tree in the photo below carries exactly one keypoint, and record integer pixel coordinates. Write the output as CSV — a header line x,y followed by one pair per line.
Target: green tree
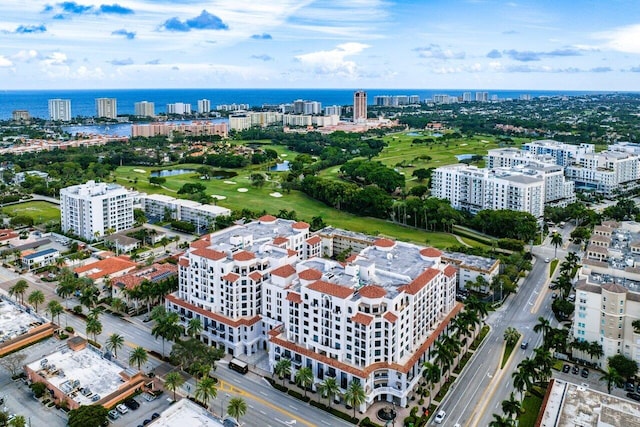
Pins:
x,y
556,240
283,369
55,309
114,343
329,388
521,381
304,378
138,357
237,408
166,326
511,406
18,421
623,365
354,395
636,326
431,374
173,381
500,421
88,416
19,288
511,336
36,298
206,390
543,326
611,376
194,327
93,327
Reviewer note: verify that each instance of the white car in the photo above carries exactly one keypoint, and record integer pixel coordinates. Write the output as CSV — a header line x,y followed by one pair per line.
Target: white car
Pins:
x,y
547,260
440,417
122,409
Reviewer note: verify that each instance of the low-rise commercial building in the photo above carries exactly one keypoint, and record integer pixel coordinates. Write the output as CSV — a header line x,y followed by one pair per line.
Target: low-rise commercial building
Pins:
x,y
20,327
32,260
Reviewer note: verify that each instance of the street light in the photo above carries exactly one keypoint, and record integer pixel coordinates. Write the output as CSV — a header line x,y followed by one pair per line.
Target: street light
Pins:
x,y
222,400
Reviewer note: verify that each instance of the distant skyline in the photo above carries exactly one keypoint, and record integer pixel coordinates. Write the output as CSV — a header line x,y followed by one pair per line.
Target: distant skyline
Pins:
x,y
484,44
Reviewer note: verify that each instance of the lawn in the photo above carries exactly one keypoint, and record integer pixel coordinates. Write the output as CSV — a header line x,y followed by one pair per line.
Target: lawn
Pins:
x,y
40,211
531,406
258,199
507,352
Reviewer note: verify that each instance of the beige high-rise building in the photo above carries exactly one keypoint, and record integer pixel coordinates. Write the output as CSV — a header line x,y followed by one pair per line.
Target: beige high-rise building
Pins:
x,y
107,107
145,109
359,106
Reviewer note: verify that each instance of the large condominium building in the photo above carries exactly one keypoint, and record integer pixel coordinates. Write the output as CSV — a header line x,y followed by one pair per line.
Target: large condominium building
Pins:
x,y
473,189
510,157
255,118
608,291
193,128
333,110
88,210
60,110
20,116
564,154
373,319
306,107
360,106
204,106
297,120
107,107
607,172
179,108
159,205
482,96
144,109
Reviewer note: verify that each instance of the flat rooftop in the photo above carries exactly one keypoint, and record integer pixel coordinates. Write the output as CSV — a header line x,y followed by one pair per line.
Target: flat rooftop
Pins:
x,y
571,405
185,413
473,261
15,321
83,375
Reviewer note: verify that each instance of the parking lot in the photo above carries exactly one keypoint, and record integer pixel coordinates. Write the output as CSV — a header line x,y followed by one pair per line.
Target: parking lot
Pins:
x,y
136,417
590,378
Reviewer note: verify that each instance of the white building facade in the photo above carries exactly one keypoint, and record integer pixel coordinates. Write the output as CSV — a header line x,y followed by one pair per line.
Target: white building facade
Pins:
x,y
607,172
144,109
200,215
60,110
88,210
107,108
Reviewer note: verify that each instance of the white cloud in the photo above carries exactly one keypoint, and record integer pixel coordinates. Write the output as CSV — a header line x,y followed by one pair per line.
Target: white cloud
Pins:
x,y
334,61
56,58
623,39
25,55
5,62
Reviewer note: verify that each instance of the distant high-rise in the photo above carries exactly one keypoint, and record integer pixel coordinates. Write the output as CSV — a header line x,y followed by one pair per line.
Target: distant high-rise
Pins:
x,y
359,106
333,110
144,109
466,97
60,109
20,116
482,96
179,108
204,106
107,107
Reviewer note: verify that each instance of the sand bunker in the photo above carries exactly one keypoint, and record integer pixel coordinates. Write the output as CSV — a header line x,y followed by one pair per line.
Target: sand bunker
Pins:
x,y
243,190
218,197
230,182
140,170
276,194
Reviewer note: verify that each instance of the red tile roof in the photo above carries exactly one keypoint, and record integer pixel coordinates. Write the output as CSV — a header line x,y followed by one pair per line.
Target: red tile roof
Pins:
x,y
152,273
294,297
420,282
209,254
310,274
231,277
365,319
331,289
267,218
300,225
372,291
184,262
243,256
352,258
450,271
285,271
106,267
200,244
255,276
280,240
314,240
291,252
390,317
384,243
430,253
214,316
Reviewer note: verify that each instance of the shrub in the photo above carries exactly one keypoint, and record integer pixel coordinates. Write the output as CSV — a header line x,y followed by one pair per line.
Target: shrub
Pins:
x,y
409,421
77,309
38,389
298,395
366,422
69,329
63,336
94,343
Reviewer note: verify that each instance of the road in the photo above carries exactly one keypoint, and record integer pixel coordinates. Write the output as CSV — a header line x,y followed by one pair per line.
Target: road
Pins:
x,y
481,387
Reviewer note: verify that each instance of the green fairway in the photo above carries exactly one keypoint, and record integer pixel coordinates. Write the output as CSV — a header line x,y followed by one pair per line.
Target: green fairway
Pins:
x,y
40,211
258,199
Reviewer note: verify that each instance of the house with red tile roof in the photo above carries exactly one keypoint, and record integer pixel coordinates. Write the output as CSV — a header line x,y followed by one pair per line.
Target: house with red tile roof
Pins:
x,y
107,268
153,273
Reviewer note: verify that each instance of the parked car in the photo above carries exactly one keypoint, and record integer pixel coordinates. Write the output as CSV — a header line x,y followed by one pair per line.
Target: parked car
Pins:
x,y
566,368
113,414
155,415
122,409
440,417
629,386
634,396
584,373
547,260
575,370
131,404
524,345
148,397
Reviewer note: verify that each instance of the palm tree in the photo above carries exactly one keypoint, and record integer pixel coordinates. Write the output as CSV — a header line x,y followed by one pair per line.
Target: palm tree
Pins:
x,y
167,326
329,388
283,369
19,289
431,374
206,390
304,378
18,421
55,309
521,381
89,295
118,305
543,360
499,421
194,327
556,240
511,336
530,367
173,381
94,327
237,408
543,326
611,376
595,350
35,298
511,406
443,356
354,395
138,357
115,342
475,304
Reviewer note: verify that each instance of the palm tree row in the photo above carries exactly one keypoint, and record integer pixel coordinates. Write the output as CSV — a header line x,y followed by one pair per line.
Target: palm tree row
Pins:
x,y
532,370
151,293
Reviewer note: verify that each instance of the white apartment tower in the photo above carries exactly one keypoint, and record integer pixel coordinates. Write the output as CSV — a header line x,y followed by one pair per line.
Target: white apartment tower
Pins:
x,y
89,210
373,319
179,108
204,106
107,108
359,106
60,110
144,109
607,172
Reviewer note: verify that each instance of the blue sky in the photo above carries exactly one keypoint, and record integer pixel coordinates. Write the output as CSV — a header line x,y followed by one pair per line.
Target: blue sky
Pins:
x,y
453,44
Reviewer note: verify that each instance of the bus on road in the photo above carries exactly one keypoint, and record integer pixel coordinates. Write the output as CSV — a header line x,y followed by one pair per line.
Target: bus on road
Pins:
x,y
239,366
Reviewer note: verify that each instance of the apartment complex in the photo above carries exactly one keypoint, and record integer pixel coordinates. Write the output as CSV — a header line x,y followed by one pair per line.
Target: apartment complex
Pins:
x,y
88,210
204,106
372,319
107,108
608,290
144,109
60,110
360,106
179,108
20,116
395,100
564,154
158,205
301,106
194,128
607,172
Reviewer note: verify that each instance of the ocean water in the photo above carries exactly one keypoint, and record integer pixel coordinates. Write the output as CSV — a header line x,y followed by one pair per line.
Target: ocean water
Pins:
x,y
83,101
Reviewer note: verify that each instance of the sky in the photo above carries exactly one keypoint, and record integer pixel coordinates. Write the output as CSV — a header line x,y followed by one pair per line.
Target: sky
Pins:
x,y
395,44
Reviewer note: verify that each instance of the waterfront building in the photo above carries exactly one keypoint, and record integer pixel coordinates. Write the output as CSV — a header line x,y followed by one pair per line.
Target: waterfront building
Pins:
x,y
466,97
89,210
194,128
482,96
144,109
359,106
179,108
107,108
333,110
20,116
204,106
60,110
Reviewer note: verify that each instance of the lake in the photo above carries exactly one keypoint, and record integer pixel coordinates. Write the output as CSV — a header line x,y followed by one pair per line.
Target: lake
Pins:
x,y
171,172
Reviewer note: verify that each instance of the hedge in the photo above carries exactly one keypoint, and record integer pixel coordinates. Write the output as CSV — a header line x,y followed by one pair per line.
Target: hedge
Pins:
x,y
298,396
